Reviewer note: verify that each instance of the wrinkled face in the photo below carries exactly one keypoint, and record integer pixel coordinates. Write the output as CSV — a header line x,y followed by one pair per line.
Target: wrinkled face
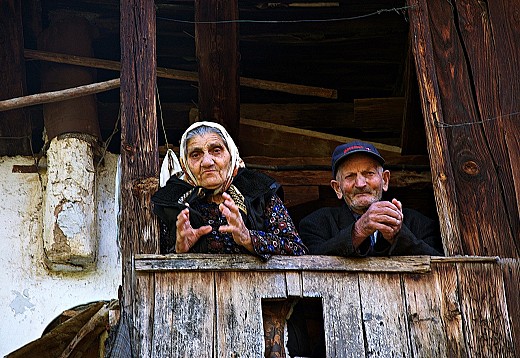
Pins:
x,y
208,160
360,181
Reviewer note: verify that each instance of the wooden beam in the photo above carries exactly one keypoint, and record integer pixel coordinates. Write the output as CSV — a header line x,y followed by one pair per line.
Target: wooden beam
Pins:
x,y
183,75
471,142
413,135
218,58
15,126
56,96
379,114
216,262
271,140
139,229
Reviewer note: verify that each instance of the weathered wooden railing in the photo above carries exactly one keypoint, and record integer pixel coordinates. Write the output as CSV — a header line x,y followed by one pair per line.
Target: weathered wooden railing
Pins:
x,y
210,305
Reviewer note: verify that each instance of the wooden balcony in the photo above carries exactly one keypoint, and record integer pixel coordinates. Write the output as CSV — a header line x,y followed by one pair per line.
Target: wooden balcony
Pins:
x,y
200,305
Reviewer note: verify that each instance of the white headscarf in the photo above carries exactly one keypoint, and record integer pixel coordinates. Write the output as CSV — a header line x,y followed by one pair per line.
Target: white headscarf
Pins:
x,y
236,161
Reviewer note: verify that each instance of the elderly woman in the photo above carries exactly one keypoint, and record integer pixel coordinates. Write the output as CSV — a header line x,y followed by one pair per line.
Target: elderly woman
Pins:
x,y
216,205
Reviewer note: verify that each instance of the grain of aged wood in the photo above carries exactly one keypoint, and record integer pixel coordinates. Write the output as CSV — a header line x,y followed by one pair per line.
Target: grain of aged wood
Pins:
x,y
442,176
139,155
56,96
511,270
459,98
216,45
484,307
217,312
222,262
180,75
341,311
384,318
15,126
423,299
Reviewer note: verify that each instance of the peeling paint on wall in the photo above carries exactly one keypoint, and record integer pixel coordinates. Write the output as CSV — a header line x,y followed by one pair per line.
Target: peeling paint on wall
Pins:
x,y
70,239
32,296
21,302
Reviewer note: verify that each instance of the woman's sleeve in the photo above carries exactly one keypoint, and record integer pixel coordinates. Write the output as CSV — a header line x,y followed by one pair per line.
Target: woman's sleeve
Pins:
x,y
280,236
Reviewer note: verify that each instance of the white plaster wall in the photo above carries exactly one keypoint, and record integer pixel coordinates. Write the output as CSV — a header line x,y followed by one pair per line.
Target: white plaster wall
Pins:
x,y
30,295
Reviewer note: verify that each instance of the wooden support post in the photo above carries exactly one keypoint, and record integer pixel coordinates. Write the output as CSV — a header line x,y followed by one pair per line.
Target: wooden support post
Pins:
x,y
139,231
76,115
15,126
471,124
217,53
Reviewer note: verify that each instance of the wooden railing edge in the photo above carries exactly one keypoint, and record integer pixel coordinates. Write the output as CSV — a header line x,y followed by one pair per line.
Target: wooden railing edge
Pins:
x,y
214,262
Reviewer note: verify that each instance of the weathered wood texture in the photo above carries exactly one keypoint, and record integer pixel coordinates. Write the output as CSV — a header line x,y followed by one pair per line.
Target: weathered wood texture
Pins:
x,y
218,57
465,55
216,310
511,268
139,231
180,75
56,96
15,126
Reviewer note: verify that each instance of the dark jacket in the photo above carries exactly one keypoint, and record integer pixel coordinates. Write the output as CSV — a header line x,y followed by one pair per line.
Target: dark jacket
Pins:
x,y
328,231
257,189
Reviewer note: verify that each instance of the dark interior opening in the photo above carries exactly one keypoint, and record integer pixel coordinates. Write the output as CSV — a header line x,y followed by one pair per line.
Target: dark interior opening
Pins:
x,y
294,327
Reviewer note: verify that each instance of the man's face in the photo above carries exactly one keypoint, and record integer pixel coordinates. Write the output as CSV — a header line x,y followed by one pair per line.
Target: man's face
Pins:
x,y
360,181
208,160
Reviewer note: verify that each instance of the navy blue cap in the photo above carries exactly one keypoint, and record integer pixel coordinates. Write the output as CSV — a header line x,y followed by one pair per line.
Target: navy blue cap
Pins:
x,y
344,150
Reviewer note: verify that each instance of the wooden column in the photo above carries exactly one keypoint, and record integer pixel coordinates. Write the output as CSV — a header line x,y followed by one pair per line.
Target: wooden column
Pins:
x,y
217,53
73,36
468,86
15,125
139,153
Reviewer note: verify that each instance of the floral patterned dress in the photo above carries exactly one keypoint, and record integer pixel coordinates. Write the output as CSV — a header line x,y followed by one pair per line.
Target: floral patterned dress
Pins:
x,y
279,238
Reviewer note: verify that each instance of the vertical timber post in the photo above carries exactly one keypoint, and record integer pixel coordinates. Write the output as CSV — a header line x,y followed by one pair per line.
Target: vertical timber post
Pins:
x,y
139,232
216,40
15,125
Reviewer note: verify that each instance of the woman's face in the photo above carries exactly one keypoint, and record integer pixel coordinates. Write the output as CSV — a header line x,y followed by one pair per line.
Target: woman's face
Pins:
x,y
208,160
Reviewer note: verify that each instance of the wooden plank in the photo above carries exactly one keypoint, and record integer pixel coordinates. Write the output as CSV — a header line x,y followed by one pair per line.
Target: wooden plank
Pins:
x,y
485,316
294,284
239,311
413,135
197,262
303,115
144,313
15,126
295,195
384,317
182,75
442,173
341,311
382,114
451,311
267,139
184,315
423,297
511,270
216,43
163,318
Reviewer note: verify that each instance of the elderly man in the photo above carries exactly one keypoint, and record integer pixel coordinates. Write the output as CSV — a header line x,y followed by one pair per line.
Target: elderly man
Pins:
x,y
365,225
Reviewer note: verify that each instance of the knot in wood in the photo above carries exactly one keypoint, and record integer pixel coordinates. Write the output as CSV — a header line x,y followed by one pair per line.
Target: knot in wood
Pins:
x,y
145,185
470,168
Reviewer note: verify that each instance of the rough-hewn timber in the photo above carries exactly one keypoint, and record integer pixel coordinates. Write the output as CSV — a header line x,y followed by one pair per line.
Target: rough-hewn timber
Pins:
x,y
211,304
139,154
471,121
